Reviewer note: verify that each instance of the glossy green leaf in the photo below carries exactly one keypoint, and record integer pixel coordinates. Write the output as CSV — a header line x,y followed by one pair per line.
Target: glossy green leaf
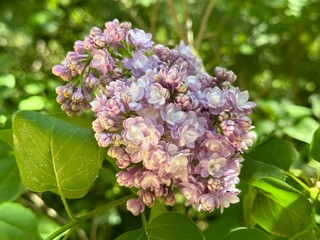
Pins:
x,y
275,151
279,208
138,234
6,136
167,226
157,209
17,222
252,170
315,145
54,155
172,226
224,223
248,201
11,186
247,234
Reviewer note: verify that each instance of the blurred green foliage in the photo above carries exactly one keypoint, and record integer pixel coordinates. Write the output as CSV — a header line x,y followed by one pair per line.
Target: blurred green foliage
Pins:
x,y
272,46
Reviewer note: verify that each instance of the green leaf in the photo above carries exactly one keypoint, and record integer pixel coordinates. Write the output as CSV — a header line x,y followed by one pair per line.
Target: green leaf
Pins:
x,y
167,226
54,155
252,170
247,234
10,183
6,136
303,130
315,145
279,208
247,207
157,209
222,224
275,151
17,222
138,234
173,226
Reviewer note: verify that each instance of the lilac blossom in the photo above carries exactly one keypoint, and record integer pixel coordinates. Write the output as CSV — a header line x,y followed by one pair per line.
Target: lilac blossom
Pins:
x,y
139,39
170,127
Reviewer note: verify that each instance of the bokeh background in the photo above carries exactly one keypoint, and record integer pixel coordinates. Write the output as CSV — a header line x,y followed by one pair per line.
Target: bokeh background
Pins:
x,y
272,46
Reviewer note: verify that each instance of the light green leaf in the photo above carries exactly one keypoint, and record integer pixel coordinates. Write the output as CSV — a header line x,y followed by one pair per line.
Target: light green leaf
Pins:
x,y
315,145
279,208
303,130
275,151
11,186
17,222
247,234
54,155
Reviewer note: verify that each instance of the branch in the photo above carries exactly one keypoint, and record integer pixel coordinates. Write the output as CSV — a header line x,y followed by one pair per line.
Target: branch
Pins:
x,y
89,215
204,23
173,13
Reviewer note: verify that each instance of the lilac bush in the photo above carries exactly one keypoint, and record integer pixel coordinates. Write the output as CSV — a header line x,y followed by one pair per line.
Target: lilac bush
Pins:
x,y
170,126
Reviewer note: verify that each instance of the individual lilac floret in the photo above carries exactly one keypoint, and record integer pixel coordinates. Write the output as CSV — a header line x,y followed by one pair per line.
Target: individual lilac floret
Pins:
x,y
140,40
170,127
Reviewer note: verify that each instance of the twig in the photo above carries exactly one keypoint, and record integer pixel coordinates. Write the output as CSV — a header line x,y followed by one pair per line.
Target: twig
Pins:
x,y
204,23
173,13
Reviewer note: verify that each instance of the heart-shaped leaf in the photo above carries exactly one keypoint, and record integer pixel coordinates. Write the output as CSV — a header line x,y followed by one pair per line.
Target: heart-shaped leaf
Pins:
x,y
54,155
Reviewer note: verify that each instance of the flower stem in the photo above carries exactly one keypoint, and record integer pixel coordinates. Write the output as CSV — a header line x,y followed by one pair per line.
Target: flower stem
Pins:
x,y
89,215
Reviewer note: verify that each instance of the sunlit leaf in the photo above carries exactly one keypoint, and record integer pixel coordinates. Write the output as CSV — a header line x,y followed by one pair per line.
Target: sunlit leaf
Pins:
x,y
247,234
275,151
54,155
17,222
303,130
279,208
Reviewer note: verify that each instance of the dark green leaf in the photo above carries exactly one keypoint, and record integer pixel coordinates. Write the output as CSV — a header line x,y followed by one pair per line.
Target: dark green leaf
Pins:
x,y
247,234
17,222
54,155
138,234
6,136
279,208
167,226
252,170
315,145
275,151
157,209
11,186
173,226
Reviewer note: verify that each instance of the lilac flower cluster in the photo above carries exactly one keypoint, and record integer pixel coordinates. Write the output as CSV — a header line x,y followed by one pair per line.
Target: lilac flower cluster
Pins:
x,y
171,127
